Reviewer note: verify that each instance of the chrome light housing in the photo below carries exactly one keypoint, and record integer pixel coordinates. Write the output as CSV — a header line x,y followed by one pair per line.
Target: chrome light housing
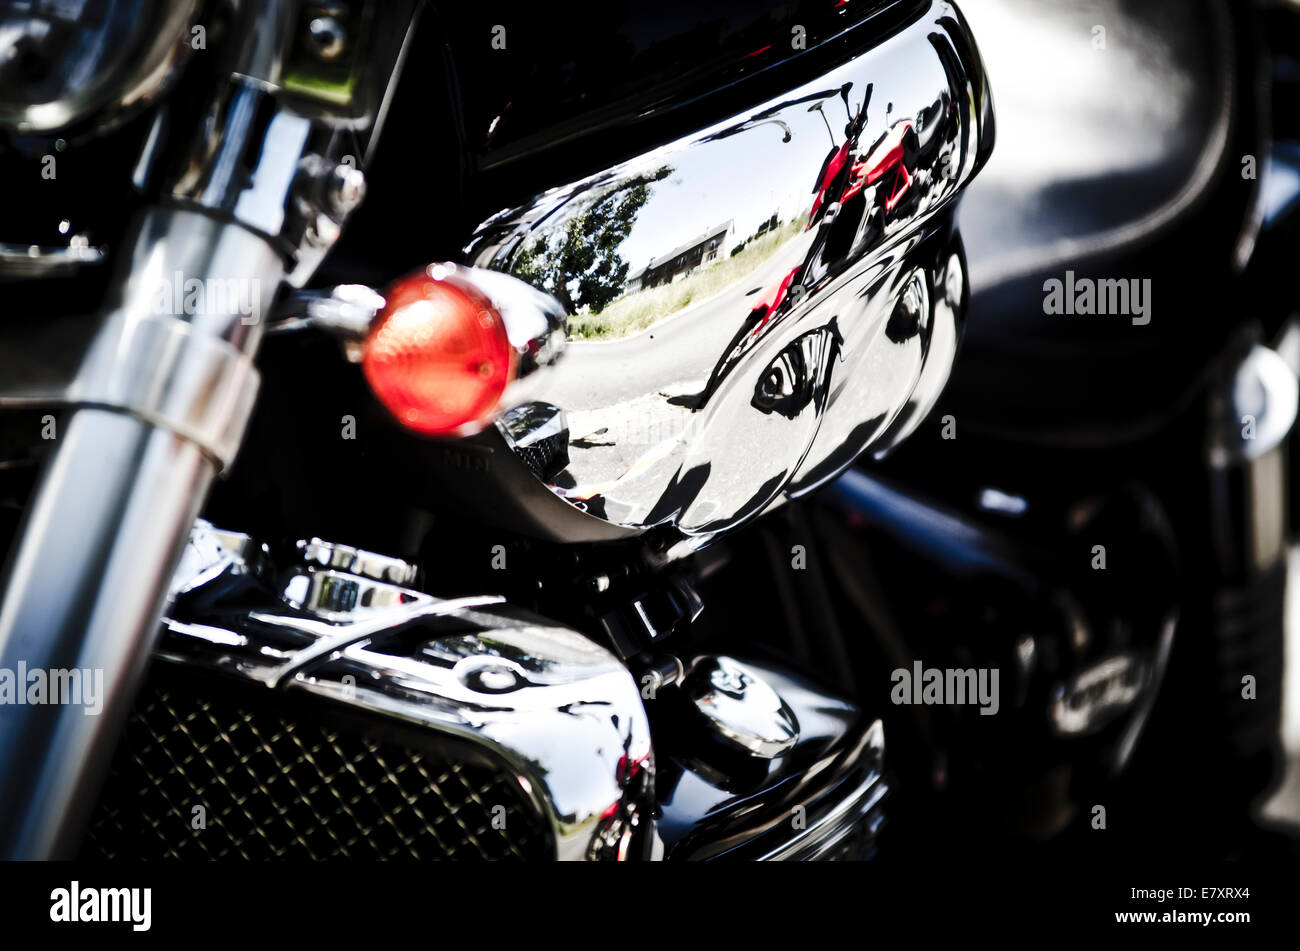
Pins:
x,y
65,62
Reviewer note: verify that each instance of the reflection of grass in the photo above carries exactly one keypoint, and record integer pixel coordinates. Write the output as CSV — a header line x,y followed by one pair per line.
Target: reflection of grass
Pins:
x,y
636,312
339,92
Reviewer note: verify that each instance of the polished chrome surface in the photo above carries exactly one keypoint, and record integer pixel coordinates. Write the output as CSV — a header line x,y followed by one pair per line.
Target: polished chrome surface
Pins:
x,y
189,369
1252,412
358,561
285,165
85,586
750,307
715,804
1257,409
186,369
741,709
1099,693
538,433
344,311
337,594
569,721
298,192
943,336
160,399
94,60
328,37
211,552
837,823
560,710
298,615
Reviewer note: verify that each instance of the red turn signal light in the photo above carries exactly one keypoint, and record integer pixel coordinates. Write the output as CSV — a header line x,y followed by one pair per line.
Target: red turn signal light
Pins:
x,y
438,356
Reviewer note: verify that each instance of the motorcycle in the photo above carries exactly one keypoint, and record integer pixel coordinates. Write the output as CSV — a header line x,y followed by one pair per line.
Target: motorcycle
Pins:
x,y
452,433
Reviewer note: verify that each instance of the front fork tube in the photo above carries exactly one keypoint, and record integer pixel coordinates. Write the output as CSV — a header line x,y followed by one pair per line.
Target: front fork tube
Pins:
x,y
158,406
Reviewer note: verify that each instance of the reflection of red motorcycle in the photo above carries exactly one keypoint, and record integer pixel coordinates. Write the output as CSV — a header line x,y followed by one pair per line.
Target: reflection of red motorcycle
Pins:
x,y
886,166
888,156
772,298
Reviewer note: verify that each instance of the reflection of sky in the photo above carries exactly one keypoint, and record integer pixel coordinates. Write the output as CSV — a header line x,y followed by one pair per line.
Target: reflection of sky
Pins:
x,y
750,175
704,181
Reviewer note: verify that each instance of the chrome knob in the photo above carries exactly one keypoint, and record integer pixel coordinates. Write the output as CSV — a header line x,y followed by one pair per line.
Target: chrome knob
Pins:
x,y
328,37
741,708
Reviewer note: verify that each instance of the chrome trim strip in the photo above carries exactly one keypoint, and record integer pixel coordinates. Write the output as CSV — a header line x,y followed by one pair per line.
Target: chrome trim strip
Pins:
x,y
832,829
364,630
833,826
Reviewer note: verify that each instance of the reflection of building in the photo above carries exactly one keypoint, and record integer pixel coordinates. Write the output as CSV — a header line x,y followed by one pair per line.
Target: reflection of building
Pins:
x,y
702,250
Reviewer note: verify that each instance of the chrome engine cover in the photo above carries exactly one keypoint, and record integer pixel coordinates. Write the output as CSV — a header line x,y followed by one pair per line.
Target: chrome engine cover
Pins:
x,y
560,713
318,684
749,308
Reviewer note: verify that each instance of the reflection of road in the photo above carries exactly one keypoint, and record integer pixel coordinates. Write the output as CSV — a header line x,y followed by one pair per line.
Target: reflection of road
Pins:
x,y
683,349
616,393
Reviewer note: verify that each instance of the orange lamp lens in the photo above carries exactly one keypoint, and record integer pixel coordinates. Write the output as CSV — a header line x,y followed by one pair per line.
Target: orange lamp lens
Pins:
x,y
438,357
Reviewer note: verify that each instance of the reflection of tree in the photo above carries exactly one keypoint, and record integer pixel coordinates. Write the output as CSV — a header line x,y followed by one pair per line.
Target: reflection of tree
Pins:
x,y
583,267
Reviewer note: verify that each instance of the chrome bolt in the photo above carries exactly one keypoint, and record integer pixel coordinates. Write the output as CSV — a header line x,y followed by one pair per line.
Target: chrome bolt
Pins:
x,y
329,38
347,186
493,679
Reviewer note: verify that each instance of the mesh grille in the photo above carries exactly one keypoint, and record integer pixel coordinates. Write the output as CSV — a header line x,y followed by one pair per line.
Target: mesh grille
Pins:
x,y
546,457
275,788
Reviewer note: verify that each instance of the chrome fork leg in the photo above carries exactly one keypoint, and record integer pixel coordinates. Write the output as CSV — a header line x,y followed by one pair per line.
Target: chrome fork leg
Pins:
x,y
89,581
161,403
